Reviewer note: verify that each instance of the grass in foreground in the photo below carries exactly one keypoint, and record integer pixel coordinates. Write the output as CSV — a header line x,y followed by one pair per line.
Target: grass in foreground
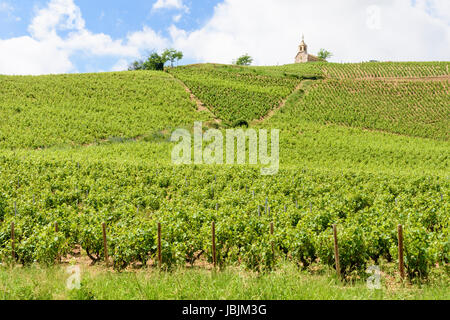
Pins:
x,y
288,283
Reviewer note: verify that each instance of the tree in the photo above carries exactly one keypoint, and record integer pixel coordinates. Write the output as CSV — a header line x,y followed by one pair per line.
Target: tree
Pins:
x,y
172,55
156,61
136,65
324,54
244,60
153,62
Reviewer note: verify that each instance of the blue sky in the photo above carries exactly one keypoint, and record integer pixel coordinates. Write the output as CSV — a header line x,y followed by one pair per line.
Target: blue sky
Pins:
x,y
62,36
115,18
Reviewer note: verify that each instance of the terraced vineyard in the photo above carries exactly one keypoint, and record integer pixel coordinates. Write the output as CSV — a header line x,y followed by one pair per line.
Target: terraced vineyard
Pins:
x,y
237,94
368,70
411,108
386,70
95,172
38,112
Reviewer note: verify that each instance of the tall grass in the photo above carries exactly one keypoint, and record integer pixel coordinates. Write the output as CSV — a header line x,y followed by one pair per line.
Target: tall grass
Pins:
x,y
35,283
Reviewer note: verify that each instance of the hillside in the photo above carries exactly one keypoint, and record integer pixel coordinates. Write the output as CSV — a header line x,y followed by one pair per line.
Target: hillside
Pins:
x,y
364,146
45,111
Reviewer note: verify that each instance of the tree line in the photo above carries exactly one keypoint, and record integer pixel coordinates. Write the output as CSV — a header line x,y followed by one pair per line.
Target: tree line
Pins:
x,y
157,61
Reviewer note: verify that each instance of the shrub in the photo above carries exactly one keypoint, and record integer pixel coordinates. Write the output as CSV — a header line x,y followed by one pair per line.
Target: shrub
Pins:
x,y
417,254
352,249
244,60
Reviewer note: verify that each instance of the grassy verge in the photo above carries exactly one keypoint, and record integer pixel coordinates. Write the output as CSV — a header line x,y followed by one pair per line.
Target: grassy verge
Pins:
x,y
186,284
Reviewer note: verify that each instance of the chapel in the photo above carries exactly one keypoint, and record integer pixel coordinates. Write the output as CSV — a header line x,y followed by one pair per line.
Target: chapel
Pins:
x,y
302,55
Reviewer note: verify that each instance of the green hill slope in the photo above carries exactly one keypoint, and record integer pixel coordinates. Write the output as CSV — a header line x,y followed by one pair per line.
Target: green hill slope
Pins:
x,y
37,112
384,96
107,158
235,93
414,108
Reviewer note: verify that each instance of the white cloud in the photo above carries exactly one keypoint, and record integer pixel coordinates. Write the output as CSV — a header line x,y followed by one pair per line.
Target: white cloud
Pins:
x,y
46,51
26,55
121,65
270,30
58,15
177,18
170,4
147,38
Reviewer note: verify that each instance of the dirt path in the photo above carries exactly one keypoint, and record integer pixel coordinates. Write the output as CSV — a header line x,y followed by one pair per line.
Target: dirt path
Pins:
x,y
272,112
200,105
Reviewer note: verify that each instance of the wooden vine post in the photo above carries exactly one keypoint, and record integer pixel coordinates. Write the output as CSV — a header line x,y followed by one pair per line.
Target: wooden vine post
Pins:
x,y
214,255
401,263
105,244
271,233
13,251
336,251
58,257
159,246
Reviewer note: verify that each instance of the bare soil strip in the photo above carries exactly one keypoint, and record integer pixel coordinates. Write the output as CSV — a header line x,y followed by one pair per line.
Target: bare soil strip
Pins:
x,y
200,105
272,112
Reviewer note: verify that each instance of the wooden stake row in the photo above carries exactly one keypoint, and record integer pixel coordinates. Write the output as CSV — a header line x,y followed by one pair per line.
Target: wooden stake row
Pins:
x,y
401,264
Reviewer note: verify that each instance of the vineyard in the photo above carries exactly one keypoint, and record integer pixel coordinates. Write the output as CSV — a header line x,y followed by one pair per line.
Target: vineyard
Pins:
x,y
371,70
234,94
80,151
301,204
46,111
387,70
410,108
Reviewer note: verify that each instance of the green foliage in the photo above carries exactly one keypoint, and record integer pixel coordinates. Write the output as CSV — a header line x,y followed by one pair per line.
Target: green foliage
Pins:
x,y
417,249
2,206
399,107
362,204
236,94
45,111
382,70
136,65
244,60
417,252
299,242
38,283
324,54
366,182
172,55
154,62
369,70
353,255
133,241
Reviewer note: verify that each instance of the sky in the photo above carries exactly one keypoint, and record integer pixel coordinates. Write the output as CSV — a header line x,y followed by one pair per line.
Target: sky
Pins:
x,y
77,36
